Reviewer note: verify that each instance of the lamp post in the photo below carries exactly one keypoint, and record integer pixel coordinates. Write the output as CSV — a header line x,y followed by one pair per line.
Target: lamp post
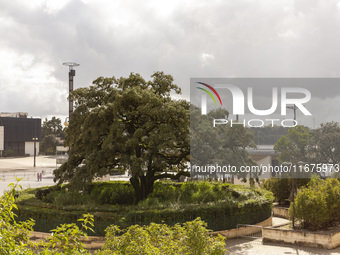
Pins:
x,y
35,139
71,74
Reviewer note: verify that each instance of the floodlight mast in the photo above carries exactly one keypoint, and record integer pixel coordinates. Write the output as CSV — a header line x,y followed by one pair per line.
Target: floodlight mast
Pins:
x,y
71,74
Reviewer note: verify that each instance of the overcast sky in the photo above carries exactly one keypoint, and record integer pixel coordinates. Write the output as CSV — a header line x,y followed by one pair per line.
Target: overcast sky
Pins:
x,y
199,38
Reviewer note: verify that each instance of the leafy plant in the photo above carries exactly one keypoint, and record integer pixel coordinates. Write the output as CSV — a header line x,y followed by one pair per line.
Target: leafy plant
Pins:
x,y
318,204
191,238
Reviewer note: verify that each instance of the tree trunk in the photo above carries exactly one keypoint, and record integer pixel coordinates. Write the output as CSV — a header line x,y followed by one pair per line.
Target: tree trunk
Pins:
x,y
143,186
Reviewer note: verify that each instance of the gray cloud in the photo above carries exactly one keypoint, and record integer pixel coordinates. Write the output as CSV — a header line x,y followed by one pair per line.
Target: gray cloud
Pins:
x,y
186,39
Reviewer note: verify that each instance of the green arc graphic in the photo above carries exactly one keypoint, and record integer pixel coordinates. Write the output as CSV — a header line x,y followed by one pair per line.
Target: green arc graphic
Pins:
x,y
208,93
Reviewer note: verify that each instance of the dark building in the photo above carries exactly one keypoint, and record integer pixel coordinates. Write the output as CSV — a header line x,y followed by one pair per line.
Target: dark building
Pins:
x,y
19,133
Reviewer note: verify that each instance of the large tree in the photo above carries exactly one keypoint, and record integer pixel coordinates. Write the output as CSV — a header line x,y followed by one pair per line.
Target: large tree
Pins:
x,y
295,149
131,124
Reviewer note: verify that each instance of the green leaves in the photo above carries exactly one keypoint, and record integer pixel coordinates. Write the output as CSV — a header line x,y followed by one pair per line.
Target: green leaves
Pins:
x,y
68,239
191,238
127,123
14,237
51,132
223,145
317,205
294,145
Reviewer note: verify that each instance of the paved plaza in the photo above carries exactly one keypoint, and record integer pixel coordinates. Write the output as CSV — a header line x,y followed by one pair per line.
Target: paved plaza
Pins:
x,y
244,246
23,168
251,247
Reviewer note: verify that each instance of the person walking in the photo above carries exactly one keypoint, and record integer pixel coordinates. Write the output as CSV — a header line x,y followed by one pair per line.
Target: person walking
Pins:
x,y
40,176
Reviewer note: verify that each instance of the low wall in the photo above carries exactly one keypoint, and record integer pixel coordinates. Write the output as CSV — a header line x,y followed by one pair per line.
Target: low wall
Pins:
x,y
281,212
95,242
302,237
232,233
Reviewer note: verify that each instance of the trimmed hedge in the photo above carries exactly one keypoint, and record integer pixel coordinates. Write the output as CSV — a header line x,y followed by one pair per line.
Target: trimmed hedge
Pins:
x,y
219,216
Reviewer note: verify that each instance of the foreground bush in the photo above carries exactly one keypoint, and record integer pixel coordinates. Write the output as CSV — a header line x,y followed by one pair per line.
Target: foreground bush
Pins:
x,y
317,205
191,238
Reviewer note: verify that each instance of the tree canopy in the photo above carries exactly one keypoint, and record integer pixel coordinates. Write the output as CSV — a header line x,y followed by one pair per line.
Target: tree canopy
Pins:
x,y
223,144
325,143
52,134
130,124
295,145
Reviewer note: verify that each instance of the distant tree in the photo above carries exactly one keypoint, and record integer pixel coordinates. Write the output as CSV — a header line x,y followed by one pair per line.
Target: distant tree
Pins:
x,y
223,145
52,127
295,146
295,149
52,133
127,123
325,143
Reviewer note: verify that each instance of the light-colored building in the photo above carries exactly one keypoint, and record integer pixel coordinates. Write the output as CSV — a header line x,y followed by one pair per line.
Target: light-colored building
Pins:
x,y
265,156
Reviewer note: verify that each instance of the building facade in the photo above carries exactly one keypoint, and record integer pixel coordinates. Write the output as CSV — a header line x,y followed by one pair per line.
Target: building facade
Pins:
x,y
19,135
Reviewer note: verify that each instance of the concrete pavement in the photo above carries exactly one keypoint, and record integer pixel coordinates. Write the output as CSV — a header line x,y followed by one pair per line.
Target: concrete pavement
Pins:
x,y
243,246
23,168
251,247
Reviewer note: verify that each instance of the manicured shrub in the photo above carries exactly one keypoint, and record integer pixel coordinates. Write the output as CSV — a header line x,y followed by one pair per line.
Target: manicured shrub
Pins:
x,y
317,205
310,207
121,193
219,216
42,192
165,191
280,187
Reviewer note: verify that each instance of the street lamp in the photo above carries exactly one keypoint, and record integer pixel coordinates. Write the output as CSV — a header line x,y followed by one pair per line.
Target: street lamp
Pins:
x,y
66,123
35,139
71,74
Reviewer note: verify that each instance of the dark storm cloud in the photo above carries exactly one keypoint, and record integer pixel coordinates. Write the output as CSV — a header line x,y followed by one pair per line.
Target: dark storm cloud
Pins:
x,y
186,39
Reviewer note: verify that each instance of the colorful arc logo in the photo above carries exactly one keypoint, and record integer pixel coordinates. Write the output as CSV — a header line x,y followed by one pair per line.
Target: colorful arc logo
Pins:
x,y
207,91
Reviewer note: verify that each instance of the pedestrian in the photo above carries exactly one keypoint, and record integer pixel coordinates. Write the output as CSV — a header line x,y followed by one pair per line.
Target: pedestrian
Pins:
x,y
40,176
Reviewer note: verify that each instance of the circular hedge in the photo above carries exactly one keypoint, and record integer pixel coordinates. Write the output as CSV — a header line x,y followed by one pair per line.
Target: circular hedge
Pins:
x,y
238,208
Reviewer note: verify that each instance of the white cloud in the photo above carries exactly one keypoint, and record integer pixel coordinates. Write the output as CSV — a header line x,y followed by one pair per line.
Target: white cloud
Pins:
x,y
206,58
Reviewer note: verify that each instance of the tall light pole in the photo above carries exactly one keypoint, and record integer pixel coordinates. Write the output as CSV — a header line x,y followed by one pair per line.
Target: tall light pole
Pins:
x,y
71,74
35,139
294,108
292,195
